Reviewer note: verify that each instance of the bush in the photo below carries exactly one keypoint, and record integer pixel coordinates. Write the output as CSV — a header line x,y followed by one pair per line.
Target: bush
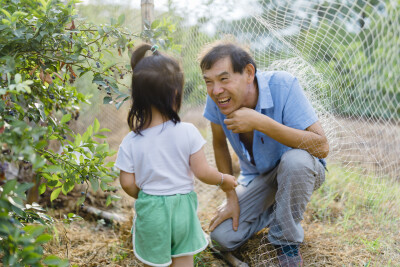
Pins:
x,y
44,48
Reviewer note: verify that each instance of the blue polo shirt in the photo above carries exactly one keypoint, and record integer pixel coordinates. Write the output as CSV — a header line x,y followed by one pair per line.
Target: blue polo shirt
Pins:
x,y
281,98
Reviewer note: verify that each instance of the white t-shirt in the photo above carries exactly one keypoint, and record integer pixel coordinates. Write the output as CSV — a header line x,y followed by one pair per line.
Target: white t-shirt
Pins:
x,y
159,157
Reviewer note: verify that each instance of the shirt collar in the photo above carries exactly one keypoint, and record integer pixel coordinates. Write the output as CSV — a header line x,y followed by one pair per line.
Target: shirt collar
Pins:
x,y
264,93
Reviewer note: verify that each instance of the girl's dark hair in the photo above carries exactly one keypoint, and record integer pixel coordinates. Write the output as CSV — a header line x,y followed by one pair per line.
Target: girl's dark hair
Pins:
x,y
157,80
221,49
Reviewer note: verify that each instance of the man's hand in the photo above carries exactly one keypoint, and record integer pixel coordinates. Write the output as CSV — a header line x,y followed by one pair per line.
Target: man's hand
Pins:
x,y
228,210
241,120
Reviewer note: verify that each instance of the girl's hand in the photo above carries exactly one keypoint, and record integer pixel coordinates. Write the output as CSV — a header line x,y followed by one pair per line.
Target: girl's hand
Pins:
x,y
229,183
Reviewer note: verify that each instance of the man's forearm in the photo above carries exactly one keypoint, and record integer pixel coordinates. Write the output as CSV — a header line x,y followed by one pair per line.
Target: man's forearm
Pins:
x,y
312,140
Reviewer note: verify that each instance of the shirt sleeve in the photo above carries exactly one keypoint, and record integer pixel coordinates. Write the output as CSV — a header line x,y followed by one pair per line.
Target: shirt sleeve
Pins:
x,y
124,160
211,111
298,112
196,139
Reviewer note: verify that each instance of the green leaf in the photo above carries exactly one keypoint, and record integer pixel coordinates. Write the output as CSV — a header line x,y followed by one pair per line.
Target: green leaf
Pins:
x,y
78,140
155,24
53,169
18,78
81,159
121,19
107,179
43,239
89,130
114,87
6,13
105,130
42,188
56,261
33,258
9,186
55,194
102,148
67,187
109,164
111,198
100,136
65,118
107,100
95,184
112,153
96,125
108,201
34,230
119,104
109,65
41,144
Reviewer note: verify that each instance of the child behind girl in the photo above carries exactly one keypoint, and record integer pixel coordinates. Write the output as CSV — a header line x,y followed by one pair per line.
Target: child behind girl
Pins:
x,y
157,160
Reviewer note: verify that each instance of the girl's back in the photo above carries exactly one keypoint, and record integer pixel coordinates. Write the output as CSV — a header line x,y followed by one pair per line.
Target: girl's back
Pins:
x,y
159,157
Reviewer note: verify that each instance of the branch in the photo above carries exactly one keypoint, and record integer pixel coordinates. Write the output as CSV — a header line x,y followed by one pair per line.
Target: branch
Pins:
x,y
104,214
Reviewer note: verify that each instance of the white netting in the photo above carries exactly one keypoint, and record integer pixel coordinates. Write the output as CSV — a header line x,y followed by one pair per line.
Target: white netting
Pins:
x,y
346,55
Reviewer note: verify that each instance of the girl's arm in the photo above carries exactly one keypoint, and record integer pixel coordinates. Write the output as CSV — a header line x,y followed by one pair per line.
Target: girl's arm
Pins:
x,y
128,183
209,175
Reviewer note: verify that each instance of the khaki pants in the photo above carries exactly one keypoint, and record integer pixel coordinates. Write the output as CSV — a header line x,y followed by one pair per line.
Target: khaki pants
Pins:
x,y
276,199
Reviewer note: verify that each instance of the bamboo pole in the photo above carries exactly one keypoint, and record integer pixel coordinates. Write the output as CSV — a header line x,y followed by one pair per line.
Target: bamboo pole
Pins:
x,y
147,7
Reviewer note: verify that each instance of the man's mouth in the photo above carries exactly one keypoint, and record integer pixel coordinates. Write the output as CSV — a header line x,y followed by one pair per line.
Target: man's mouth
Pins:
x,y
223,101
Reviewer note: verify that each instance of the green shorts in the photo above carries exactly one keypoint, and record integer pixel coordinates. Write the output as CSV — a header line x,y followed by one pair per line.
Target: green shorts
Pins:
x,y
165,227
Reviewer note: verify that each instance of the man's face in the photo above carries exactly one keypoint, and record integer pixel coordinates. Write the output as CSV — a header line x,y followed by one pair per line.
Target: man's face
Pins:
x,y
229,90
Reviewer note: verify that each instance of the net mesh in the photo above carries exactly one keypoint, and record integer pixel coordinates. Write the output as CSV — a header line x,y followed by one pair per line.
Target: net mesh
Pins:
x,y
345,55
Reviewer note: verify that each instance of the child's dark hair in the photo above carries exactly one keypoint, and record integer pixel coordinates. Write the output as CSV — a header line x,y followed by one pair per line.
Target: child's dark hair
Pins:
x,y
157,80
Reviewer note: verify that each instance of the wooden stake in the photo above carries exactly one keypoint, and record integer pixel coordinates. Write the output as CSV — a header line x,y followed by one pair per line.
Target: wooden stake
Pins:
x,y
147,7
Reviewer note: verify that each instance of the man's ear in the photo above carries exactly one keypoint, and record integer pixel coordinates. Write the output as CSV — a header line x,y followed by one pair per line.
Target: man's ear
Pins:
x,y
250,72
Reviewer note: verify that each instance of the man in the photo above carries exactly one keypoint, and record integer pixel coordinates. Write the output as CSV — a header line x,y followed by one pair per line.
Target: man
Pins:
x,y
280,145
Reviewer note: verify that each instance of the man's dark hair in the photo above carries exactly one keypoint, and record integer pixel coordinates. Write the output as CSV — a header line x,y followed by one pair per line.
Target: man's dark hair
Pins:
x,y
221,49
157,80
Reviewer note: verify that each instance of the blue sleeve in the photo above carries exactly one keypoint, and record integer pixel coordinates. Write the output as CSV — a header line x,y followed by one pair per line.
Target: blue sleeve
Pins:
x,y
298,112
211,111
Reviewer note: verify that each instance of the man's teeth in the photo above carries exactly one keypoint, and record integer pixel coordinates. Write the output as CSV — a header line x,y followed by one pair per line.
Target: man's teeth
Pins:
x,y
223,100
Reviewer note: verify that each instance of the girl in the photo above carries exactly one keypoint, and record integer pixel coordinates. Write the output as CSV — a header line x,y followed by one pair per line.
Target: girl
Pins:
x,y
157,160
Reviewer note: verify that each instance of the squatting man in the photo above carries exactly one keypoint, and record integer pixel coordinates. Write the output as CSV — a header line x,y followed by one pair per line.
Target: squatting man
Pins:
x,y
280,143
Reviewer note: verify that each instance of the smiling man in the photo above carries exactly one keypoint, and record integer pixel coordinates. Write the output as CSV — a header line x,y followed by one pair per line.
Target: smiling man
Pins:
x,y
280,145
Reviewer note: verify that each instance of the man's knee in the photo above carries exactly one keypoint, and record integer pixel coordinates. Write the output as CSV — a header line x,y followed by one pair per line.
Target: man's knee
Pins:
x,y
224,238
296,160
298,167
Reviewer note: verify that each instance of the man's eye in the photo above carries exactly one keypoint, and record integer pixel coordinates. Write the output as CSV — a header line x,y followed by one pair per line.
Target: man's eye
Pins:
x,y
224,79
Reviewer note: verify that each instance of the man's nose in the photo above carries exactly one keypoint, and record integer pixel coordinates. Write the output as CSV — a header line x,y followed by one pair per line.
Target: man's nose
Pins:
x,y
217,90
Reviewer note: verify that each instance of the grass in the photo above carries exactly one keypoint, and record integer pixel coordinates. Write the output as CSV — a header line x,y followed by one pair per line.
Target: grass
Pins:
x,y
362,212
350,196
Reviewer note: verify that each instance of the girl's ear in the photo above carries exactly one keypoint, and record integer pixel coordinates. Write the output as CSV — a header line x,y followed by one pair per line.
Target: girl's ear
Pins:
x,y
250,72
